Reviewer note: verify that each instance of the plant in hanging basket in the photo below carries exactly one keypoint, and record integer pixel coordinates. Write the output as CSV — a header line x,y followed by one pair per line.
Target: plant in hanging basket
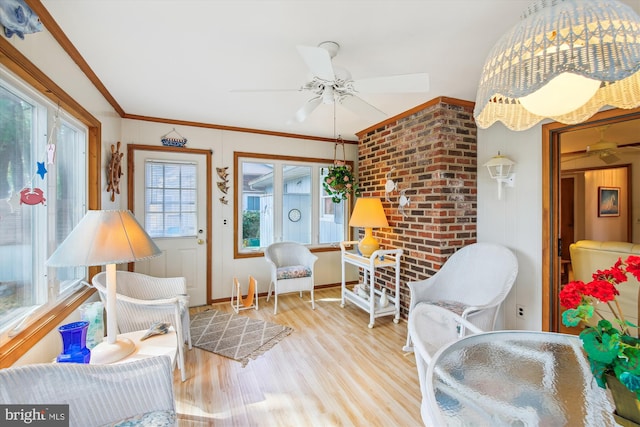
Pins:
x,y
340,182
609,346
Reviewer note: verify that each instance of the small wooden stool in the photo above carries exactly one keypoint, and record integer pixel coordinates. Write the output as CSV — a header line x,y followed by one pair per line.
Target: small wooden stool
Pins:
x,y
251,299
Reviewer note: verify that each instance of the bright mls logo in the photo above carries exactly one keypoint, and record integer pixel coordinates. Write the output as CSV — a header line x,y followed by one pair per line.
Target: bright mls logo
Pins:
x,y
34,415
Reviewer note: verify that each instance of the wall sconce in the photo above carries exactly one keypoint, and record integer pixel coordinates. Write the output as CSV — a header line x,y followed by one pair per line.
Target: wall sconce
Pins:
x,y
564,60
500,169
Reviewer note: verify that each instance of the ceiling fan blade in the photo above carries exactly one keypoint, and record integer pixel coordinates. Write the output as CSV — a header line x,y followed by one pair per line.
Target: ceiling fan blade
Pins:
x,y
263,90
362,108
318,61
308,108
405,83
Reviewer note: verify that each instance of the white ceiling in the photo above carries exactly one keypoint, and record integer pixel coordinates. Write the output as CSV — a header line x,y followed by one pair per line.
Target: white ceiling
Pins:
x,y
182,59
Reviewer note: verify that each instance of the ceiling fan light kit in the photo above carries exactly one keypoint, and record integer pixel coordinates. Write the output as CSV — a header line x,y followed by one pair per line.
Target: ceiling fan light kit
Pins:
x,y
565,60
331,84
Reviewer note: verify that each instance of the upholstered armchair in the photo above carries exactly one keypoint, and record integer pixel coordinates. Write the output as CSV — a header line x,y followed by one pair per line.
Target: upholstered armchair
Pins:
x,y
472,283
97,395
142,300
291,265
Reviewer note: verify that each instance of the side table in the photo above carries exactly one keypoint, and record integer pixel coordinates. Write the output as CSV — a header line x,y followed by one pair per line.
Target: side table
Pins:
x,y
157,345
382,258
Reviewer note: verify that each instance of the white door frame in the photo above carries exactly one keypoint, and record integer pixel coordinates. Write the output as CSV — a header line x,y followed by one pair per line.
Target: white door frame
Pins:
x,y
131,150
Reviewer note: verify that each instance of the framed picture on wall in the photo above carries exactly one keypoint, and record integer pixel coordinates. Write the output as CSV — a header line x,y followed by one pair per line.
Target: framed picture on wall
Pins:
x,y
608,201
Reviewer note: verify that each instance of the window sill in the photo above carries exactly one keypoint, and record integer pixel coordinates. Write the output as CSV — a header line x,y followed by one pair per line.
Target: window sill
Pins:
x,y
260,252
23,341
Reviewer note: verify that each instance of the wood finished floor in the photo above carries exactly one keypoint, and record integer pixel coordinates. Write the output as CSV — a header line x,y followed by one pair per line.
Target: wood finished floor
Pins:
x,y
331,371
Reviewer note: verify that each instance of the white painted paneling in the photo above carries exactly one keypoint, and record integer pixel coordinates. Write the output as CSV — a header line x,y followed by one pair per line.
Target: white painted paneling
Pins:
x,y
516,220
224,144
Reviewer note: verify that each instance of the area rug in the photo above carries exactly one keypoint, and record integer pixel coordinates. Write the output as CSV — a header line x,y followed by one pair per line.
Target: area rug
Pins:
x,y
237,337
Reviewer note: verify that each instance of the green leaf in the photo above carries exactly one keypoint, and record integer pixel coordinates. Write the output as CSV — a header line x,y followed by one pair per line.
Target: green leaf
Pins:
x,y
601,348
571,317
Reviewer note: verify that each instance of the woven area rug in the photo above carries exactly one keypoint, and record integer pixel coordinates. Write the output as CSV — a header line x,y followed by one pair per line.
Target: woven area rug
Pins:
x,y
237,337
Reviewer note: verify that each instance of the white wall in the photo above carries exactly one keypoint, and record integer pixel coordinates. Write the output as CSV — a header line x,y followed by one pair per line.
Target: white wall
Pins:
x,y
224,144
516,220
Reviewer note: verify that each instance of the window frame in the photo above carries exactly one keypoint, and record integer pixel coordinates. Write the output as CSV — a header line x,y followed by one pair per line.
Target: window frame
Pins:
x,y
25,71
238,157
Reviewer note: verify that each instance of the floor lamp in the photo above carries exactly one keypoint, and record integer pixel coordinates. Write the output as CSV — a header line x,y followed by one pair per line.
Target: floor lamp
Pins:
x,y
106,238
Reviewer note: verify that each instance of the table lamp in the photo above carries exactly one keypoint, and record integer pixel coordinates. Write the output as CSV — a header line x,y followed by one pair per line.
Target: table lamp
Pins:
x,y
368,213
106,238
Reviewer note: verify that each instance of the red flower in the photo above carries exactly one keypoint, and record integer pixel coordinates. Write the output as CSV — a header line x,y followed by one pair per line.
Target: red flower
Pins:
x,y
615,274
633,266
571,294
603,290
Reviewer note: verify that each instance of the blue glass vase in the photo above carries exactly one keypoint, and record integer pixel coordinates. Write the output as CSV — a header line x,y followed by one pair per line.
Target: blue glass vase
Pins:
x,y
74,343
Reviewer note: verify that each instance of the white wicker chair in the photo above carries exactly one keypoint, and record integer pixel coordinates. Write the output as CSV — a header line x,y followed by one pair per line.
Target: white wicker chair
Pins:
x,y
142,300
472,283
96,394
291,267
431,328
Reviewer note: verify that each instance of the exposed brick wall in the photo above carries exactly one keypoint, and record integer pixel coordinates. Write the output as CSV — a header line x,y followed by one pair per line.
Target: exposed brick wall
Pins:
x,y
430,153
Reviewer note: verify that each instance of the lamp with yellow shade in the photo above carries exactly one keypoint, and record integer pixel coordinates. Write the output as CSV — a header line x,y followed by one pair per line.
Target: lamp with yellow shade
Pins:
x,y
368,213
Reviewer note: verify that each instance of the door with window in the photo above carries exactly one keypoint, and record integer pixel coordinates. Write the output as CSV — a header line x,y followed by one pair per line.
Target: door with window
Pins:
x,y
171,200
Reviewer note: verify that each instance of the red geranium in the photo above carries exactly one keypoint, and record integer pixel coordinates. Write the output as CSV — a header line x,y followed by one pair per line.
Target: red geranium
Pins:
x,y
603,290
571,294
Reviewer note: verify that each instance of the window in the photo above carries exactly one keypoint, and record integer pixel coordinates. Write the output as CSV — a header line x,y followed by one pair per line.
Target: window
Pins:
x,y
283,200
170,199
43,195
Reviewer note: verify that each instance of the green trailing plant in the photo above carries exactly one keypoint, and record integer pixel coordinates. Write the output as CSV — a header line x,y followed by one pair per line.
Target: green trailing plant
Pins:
x,y
609,346
340,182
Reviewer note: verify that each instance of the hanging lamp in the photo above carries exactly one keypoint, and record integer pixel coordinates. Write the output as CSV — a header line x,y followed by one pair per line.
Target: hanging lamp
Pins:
x,y
565,60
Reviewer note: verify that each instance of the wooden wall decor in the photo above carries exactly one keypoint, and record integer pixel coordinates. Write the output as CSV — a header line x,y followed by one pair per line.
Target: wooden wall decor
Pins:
x,y
223,185
114,171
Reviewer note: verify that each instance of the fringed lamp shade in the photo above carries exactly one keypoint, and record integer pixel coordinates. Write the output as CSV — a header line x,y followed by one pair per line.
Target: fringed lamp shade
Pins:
x,y
565,60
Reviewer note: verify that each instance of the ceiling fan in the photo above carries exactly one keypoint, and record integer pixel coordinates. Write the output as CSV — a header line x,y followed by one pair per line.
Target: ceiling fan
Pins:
x,y
604,149
332,84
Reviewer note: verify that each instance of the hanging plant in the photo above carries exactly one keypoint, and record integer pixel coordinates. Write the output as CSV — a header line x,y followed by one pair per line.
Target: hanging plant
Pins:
x,y
340,182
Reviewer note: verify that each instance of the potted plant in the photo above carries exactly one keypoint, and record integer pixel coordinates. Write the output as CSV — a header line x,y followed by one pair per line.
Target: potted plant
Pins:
x,y
340,182
613,353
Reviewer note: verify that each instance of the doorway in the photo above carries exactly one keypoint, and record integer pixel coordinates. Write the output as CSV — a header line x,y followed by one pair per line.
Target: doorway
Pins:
x,y
554,135
169,192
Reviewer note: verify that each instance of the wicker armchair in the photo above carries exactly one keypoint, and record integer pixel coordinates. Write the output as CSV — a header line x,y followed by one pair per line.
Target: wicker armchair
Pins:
x,y
472,283
96,394
291,266
432,328
143,300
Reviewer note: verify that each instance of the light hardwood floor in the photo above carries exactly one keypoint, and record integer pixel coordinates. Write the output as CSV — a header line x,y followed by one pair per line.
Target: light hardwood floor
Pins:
x,y
331,371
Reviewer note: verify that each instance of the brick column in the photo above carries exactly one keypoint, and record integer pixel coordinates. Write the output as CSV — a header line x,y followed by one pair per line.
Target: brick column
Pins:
x,y
430,152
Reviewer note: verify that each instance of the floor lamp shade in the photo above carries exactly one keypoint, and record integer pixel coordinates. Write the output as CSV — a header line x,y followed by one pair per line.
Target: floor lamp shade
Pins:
x,y
106,238
368,213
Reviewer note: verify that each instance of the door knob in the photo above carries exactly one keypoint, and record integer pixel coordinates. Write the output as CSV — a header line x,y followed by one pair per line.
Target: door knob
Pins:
x,y
200,242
